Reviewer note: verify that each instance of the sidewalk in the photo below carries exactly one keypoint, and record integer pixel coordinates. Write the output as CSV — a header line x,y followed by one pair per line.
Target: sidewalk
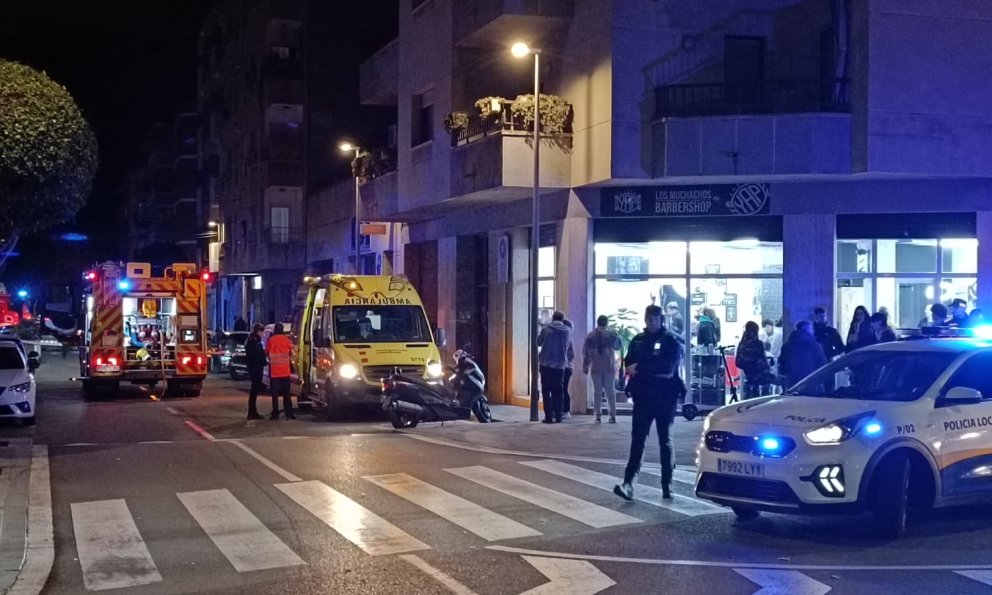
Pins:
x,y
578,436
15,475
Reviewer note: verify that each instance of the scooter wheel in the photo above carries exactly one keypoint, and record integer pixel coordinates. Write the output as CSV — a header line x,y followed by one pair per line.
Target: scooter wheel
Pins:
x,y
402,420
482,412
689,412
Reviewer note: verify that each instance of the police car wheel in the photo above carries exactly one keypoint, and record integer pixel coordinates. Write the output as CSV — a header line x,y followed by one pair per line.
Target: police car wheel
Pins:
x,y
745,514
689,412
889,496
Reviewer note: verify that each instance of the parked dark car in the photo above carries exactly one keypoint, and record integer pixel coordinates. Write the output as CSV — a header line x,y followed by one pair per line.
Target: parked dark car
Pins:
x,y
226,346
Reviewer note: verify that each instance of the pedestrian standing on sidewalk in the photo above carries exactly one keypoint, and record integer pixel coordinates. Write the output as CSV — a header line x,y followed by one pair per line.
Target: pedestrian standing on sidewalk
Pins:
x,y
255,354
555,341
599,361
566,403
278,349
652,362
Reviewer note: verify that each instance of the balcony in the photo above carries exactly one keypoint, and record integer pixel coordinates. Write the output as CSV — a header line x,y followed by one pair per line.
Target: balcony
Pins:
x,y
281,235
753,97
379,75
487,22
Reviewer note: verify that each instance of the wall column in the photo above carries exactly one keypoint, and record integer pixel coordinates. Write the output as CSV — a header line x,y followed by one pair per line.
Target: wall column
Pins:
x,y
573,286
809,268
447,315
517,373
983,227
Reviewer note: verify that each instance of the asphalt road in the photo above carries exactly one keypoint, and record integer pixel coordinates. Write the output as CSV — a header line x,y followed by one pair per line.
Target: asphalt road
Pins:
x,y
153,495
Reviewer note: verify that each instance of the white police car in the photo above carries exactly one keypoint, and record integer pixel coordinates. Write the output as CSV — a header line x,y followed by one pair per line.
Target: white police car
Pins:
x,y
885,429
17,387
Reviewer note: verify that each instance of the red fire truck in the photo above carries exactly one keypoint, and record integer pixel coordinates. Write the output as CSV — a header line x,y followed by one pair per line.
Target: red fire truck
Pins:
x,y
145,329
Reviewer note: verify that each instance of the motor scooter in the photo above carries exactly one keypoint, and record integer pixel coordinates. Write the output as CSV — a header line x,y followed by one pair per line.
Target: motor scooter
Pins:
x,y
410,400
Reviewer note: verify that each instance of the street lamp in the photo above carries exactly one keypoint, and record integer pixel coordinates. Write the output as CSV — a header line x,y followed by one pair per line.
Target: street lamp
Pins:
x,y
522,50
348,148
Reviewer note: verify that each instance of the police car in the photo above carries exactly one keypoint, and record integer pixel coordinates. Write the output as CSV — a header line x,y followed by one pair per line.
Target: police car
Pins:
x,y
889,428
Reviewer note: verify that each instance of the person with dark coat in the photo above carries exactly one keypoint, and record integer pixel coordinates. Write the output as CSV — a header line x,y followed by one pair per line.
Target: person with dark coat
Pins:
x,y
240,325
859,334
708,331
652,362
959,313
255,354
880,326
801,354
751,359
555,341
826,335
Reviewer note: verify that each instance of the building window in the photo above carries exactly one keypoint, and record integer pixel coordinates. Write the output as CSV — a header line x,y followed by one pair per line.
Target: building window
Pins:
x,y
545,283
905,277
281,52
422,121
279,227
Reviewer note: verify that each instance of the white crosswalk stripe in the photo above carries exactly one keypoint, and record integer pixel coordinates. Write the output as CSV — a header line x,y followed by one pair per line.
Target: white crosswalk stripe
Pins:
x,y
351,520
237,533
651,495
563,504
686,476
111,552
483,522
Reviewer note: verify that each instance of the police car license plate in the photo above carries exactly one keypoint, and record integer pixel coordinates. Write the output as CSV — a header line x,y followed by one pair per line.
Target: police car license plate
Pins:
x,y
740,468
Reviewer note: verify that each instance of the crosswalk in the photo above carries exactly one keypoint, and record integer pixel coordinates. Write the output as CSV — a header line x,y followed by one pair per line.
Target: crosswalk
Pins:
x,y
112,552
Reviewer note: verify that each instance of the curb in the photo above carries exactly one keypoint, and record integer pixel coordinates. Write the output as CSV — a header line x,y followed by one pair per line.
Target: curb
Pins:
x,y
39,548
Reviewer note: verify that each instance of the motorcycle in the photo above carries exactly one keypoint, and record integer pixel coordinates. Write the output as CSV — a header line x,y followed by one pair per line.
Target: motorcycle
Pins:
x,y
410,400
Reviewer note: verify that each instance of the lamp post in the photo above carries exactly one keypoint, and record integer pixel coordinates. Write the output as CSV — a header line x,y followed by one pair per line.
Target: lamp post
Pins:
x,y
348,148
522,50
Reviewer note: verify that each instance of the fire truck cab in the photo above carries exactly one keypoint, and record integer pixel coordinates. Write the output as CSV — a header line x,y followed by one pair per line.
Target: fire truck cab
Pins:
x,y
145,329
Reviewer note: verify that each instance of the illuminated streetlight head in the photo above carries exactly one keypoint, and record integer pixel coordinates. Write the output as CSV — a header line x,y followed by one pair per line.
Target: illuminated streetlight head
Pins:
x,y
347,147
212,223
520,49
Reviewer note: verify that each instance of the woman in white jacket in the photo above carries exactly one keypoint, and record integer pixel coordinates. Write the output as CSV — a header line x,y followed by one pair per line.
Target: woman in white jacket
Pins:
x,y
599,360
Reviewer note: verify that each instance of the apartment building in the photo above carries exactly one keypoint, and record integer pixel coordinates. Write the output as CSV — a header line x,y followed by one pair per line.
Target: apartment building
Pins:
x,y
758,158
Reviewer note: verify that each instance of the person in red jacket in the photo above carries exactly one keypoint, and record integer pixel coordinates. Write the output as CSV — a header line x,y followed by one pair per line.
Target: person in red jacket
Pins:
x,y
278,349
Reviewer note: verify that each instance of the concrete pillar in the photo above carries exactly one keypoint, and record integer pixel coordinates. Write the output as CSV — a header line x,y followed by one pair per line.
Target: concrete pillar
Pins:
x,y
809,271
983,226
447,314
573,287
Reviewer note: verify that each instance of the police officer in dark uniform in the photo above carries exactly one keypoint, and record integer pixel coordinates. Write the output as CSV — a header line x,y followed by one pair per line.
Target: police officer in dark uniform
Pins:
x,y
652,361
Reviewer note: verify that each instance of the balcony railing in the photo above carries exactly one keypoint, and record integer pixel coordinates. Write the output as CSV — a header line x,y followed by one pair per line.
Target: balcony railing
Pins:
x,y
757,97
482,126
283,235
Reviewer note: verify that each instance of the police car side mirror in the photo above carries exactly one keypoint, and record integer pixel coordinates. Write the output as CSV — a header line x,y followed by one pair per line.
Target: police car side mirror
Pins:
x,y
961,395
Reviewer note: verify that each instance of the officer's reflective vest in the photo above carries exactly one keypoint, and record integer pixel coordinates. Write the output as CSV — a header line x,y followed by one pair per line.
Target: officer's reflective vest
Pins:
x,y
279,347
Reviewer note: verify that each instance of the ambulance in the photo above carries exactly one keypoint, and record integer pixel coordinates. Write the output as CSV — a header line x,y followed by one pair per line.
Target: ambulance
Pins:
x,y
144,329
351,332
887,430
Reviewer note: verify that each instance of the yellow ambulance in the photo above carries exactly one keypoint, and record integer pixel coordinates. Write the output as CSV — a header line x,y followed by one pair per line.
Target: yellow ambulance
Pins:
x,y
351,332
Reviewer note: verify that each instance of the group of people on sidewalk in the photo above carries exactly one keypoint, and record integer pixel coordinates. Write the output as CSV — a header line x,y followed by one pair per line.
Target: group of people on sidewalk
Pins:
x,y
556,363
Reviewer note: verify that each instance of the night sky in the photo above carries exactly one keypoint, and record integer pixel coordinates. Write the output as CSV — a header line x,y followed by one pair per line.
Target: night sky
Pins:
x,y
132,63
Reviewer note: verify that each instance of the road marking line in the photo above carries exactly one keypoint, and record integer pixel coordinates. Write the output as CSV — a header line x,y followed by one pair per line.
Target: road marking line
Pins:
x,y
172,411
783,582
732,565
156,442
651,495
238,534
199,430
679,474
452,584
81,444
538,455
563,504
982,576
370,532
39,544
282,472
485,523
572,577
111,551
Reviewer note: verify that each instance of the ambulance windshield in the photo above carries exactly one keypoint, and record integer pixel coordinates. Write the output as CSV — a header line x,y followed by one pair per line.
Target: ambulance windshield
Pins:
x,y
380,324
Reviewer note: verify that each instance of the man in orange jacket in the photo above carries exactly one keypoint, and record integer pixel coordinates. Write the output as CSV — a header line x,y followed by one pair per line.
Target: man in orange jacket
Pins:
x,y
278,349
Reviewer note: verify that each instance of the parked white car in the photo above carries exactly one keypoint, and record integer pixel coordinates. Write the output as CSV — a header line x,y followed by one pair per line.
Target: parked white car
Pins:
x,y
17,386
897,426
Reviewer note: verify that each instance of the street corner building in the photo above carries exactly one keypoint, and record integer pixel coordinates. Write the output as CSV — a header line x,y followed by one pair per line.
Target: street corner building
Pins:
x,y
753,160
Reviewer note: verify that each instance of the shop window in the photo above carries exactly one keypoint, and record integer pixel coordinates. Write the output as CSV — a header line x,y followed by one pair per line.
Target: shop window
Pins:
x,y
959,255
545,283
907,256
854,256
648,258
738,257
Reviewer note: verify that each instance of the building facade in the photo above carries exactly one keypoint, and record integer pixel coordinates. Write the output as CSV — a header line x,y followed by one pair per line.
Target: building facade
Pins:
x,y
756,158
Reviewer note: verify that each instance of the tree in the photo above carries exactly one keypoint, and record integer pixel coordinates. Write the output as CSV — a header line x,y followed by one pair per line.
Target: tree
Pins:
x,y
48,155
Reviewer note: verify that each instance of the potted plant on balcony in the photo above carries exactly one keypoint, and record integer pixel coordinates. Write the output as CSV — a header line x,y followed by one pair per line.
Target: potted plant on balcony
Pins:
x,y
490,106
555,113
456,121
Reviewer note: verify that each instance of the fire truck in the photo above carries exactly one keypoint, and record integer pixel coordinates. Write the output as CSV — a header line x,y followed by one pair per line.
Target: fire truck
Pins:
x,y
145,329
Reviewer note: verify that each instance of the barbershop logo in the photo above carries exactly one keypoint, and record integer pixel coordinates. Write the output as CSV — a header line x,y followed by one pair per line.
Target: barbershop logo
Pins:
x,y
627,202
748,199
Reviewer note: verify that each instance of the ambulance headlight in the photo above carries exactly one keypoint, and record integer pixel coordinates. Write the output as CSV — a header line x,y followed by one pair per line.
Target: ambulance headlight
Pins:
x,y
842,429
348,371
434,369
